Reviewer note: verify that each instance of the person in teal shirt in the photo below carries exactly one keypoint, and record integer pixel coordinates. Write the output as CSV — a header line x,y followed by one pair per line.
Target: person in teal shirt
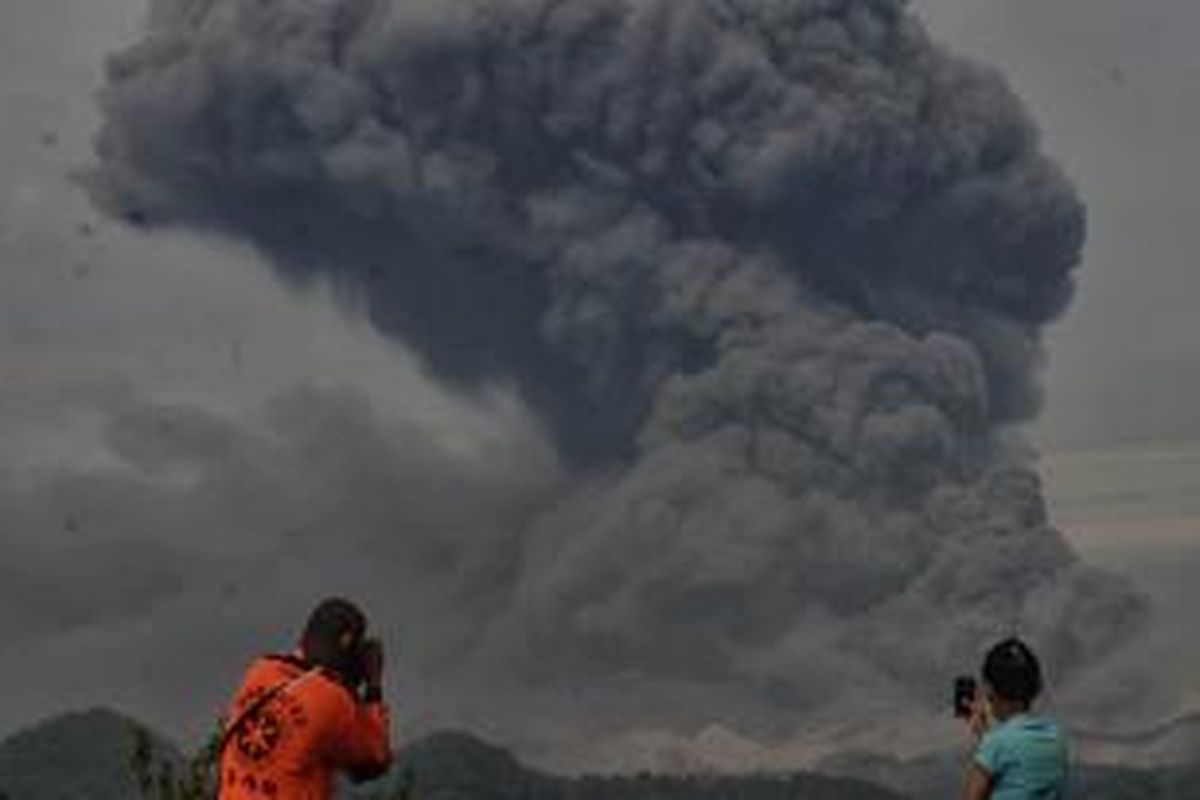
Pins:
x,y
1019,755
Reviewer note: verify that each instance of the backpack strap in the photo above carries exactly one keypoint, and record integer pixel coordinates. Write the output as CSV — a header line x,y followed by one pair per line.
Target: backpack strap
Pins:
x,y
229,730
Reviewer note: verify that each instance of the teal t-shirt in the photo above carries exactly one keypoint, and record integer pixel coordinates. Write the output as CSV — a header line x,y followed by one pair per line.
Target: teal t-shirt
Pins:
x,y
1026,756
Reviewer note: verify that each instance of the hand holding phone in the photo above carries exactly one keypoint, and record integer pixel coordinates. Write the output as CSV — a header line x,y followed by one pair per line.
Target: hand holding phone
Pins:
x,y
966,691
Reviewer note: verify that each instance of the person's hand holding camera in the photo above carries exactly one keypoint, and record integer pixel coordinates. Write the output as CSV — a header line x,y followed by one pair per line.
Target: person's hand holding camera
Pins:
x,y
970,705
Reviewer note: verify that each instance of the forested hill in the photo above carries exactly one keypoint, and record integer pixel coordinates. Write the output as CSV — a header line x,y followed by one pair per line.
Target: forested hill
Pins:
x,y
78,756
87,755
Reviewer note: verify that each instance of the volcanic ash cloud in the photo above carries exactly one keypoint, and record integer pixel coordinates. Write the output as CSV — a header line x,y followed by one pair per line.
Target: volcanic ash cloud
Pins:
x,y
773,273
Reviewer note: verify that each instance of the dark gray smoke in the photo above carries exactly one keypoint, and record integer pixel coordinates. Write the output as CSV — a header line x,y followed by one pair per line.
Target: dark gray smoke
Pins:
x,y
774,272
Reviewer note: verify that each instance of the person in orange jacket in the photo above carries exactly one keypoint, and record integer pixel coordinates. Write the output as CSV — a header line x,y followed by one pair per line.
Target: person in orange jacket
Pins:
x,y
299,719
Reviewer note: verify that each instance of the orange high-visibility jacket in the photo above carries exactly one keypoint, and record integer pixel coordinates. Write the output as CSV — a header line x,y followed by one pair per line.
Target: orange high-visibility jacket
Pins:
x,y
293,746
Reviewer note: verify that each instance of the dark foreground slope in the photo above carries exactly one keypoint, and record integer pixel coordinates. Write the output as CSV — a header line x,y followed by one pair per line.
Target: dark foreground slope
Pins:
x,y
939,776
459,767
455,766
85,756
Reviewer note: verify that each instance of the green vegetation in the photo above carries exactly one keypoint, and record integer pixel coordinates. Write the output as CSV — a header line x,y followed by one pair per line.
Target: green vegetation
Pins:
x,y
159,775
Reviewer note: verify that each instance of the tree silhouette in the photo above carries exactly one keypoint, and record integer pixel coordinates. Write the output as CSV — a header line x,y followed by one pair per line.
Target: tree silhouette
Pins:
x,y
157,775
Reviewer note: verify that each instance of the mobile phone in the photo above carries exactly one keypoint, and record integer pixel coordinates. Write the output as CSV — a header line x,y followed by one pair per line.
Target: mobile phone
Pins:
x,y
965,689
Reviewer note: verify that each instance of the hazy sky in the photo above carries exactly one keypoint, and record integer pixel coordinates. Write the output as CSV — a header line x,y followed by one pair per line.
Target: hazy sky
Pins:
x,y
1115,86
95,319
1116,89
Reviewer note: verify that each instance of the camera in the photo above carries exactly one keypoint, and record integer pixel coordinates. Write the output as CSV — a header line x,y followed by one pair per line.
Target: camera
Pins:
x,y
965,690
358,669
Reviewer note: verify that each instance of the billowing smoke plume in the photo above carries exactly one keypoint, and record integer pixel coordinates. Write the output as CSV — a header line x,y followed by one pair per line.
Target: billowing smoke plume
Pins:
x,y
773,272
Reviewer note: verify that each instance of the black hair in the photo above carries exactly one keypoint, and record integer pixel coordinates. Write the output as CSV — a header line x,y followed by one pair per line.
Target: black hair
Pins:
x,y
1013,671
324,640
